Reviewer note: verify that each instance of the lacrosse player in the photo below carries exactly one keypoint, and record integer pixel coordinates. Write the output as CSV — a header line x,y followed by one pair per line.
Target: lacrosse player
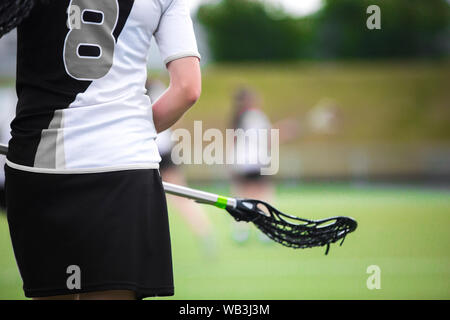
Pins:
x,y
85,203
247,178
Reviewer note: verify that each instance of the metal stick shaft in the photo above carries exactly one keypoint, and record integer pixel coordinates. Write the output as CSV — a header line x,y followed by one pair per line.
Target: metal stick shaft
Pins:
x,y
3,149
197,195
185,192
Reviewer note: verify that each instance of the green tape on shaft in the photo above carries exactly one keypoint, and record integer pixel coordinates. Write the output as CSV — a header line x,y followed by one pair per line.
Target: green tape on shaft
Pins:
x,y
221,202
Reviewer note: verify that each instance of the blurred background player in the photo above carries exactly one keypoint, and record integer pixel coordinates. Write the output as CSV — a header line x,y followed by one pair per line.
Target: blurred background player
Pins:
x,y
193,214
248,182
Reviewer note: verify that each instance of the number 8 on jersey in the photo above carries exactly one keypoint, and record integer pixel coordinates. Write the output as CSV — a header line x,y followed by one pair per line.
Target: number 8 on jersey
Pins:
x,y
89,44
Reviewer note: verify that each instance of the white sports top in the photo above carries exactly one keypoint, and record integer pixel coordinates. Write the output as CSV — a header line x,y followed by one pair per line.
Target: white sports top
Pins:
x,y
81,85
252,120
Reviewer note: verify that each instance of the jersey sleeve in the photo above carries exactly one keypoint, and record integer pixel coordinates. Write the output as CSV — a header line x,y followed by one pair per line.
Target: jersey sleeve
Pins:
x,y
175,34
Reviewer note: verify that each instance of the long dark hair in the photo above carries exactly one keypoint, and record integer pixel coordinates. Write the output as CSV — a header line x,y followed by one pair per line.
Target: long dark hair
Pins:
x,y
240,100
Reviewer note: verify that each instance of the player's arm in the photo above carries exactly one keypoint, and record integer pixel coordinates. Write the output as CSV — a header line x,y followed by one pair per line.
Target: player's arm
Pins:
x,y
184,90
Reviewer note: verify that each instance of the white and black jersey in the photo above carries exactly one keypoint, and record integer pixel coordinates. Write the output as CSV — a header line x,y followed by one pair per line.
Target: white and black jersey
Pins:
x,y
81,72
251,119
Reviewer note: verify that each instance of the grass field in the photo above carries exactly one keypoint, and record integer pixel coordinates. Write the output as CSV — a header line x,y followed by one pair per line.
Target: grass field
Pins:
x,y
402,230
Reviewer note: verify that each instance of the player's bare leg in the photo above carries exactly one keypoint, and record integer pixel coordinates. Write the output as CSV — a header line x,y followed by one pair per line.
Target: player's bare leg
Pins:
x,y
194,214
252,190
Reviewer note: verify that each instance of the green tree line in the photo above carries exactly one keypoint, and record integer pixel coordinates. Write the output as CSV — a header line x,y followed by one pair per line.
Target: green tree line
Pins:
x,y
240,30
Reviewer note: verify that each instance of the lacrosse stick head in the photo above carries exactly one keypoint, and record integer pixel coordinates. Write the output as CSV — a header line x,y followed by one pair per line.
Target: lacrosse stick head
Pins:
x,y
292,231
12,13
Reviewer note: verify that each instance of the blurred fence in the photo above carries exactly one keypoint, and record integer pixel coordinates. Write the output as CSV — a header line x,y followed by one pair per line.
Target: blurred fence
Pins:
x,y
424,162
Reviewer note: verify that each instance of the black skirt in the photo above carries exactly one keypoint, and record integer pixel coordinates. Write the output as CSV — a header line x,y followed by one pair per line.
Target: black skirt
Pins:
x,y
75,233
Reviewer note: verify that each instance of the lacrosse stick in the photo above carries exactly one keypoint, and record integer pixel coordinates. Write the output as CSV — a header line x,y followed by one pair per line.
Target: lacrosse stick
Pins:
x,y
290,231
